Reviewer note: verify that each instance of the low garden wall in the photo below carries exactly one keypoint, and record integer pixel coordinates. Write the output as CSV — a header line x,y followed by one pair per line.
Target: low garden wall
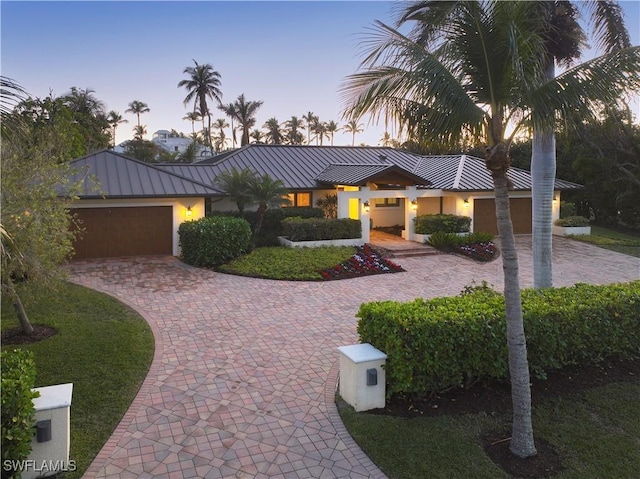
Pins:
x,y
316,244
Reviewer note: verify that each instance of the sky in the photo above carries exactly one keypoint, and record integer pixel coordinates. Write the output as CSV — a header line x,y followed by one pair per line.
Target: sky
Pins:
x,y
292,55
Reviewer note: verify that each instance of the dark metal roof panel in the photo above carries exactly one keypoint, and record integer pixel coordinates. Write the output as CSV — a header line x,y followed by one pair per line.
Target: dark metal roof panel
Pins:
x,y
350,174
110,174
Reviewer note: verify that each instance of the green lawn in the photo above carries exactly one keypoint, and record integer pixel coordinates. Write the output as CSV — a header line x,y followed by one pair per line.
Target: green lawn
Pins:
x,y
627,243
277,262
596,432
103,347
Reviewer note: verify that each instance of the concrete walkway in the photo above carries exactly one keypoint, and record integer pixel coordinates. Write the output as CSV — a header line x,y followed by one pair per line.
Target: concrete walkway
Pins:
x,y
244,374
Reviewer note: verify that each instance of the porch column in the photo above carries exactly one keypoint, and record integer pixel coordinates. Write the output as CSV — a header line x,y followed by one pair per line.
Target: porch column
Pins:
x,y
365,216
410,213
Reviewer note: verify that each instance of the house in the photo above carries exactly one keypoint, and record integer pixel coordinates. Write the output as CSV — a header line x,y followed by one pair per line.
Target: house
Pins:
x,y
380,186
171,143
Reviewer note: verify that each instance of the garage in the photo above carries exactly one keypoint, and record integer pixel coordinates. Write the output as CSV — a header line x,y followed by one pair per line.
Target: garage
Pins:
x,y
484,215
124,231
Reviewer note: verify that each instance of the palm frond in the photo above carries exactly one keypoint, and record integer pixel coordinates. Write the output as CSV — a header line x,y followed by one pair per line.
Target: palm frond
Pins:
x,y
608,26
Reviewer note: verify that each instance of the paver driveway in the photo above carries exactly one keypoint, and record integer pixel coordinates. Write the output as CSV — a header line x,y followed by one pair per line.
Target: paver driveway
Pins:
x,y
244,374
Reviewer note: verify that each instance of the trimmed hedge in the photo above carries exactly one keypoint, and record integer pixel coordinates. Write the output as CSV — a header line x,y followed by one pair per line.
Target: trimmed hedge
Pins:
x,y
572,221
317,229
214,240
272,224
429,224
440,239
446,342
17,410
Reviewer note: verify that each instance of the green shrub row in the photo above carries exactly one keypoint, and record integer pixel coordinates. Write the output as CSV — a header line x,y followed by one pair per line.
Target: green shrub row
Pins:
x,y
446,342
213,240
440,239
571,221
17,410
272,225
316,229
428,224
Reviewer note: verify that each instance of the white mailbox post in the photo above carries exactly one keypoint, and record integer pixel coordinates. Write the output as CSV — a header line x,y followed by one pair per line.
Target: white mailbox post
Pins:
x,y
50,445
362,377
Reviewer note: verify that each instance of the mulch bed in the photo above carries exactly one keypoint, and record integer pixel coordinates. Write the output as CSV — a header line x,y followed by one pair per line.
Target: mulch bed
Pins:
x,y
494,397
16,336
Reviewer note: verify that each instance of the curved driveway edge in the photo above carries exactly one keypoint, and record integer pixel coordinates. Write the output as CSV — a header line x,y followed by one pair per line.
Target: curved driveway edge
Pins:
x,y
244,373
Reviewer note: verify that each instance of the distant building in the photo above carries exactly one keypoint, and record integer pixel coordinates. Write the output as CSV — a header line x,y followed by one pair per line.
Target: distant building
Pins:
x,y
171,142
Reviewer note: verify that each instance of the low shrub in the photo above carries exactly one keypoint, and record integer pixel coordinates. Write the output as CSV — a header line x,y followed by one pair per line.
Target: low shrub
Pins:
x,y
17,410
432,345
442,240
213,240
572,221
428,224
316,229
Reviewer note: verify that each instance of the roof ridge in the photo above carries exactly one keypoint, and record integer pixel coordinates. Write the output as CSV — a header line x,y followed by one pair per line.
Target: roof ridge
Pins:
x,y
456,181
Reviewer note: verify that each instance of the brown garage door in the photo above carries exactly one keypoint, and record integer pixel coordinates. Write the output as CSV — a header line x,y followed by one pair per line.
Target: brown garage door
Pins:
x,y
484,215
130,231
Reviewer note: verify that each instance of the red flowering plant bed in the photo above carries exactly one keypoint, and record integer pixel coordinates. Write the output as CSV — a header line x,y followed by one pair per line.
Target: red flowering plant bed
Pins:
x,y
365,261
478,251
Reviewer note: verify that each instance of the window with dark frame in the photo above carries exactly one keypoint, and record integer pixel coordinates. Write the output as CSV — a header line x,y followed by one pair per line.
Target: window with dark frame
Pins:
x,y
386,202
301,199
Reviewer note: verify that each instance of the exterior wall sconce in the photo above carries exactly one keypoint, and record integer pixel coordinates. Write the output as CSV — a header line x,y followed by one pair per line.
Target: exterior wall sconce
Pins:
x,y
189,211
466,202
414,205
555,200
366,206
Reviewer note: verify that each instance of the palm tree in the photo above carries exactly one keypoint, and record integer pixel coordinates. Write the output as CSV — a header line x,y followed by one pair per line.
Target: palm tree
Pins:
x,y
137,108
319,130
203,83
475,68
332,128
139,131
292,127
83,101
309,118
192,116
274,134
236,183
353,127
221,137
563,46
257,135
231,111
114,118
469,83
245,113
386,139
266,192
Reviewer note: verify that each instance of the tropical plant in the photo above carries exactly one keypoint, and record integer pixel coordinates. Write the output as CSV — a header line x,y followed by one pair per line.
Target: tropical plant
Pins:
x,y
193,116
83,101
274,133
257,136
203,82
137,108
353,127
331,129
231,110
292,126
319,129
114,118
329,205
309,118
139,131
266,192
221,138
470,75
236,183
244,111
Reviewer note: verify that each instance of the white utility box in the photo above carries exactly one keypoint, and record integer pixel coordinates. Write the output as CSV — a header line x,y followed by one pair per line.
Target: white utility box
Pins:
x,y
362,377
50,445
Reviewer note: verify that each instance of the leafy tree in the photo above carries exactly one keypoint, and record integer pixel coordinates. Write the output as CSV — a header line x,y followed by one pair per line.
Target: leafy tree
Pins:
x,y
138,108
353,127
274,134
292,126
203,82
467,77
147,151
37,233
114,118
236,183
83,101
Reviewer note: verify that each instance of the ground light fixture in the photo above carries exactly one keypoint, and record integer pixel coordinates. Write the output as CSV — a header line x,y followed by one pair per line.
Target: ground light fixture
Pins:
x,y
366,206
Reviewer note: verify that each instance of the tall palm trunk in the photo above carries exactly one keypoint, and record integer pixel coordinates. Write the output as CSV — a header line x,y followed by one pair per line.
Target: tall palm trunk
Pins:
x,y
522,441
543,173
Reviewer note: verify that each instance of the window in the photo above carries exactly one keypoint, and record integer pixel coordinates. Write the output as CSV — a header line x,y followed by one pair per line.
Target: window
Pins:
x,y
301,200
386,202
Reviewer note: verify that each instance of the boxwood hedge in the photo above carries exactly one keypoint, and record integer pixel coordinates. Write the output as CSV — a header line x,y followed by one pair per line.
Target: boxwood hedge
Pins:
x,y
428,224
446,342
316,229
214,240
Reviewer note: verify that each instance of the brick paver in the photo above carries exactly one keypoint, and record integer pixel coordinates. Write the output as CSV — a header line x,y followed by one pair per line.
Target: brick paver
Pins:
x,y
244,374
